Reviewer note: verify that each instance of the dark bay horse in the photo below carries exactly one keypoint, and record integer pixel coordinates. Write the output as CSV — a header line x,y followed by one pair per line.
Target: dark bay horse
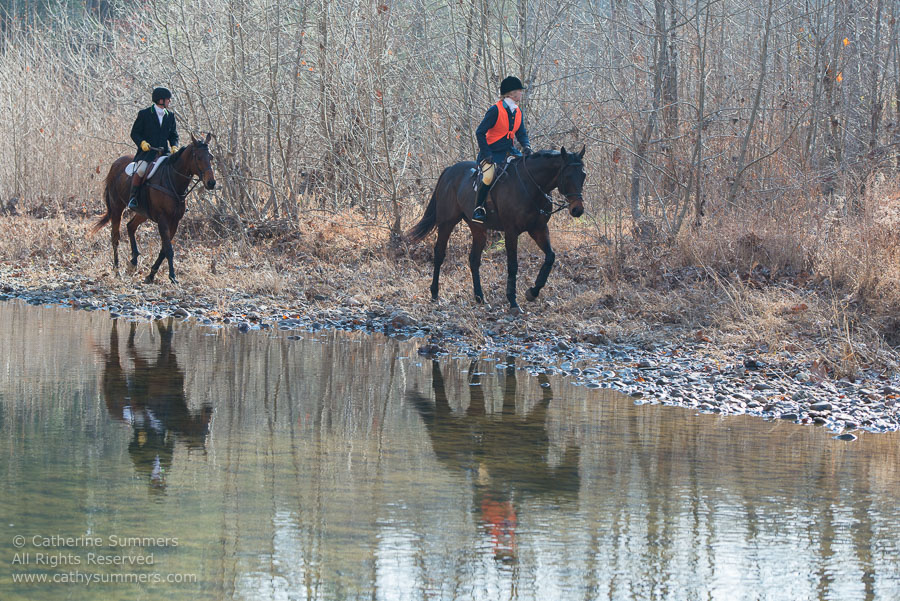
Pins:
x,y
519,202
165,194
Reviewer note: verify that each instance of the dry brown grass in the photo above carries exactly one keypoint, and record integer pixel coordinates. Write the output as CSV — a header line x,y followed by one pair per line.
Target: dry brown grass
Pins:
x,y
805,275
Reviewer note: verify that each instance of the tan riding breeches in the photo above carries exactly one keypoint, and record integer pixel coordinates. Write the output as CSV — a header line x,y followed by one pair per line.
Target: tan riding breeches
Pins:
x,y
487,172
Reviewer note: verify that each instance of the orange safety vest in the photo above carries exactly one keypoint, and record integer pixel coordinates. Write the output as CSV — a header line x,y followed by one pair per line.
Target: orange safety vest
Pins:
x,y
501,128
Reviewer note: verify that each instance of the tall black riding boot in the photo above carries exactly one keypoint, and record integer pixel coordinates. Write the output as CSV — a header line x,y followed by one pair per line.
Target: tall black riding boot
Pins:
x,y
136,181
478,214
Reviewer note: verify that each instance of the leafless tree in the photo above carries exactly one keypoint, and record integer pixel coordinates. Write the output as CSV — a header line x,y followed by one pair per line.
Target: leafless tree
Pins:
x,y
688,107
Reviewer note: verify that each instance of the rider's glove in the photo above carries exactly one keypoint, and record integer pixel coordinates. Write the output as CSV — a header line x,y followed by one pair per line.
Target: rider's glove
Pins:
x,y
145,146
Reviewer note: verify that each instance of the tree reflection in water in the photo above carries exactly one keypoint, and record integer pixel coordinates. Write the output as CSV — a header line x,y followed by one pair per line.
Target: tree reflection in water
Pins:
x,y
151,400
504,456
325,483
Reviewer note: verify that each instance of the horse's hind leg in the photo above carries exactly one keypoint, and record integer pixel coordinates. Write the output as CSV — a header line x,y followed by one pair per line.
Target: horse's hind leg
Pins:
x,y
132,228
114,237
479,240
440,253
542,237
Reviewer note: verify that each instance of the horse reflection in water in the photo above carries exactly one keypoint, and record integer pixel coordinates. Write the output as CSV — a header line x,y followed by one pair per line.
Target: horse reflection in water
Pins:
x,y
505,455
151,400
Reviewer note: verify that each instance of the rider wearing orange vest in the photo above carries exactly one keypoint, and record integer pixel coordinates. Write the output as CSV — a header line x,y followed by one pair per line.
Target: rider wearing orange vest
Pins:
x,y
502,122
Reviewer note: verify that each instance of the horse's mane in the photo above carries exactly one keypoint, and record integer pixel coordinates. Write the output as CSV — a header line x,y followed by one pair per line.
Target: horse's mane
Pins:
x,y
168,167
555,154
177,154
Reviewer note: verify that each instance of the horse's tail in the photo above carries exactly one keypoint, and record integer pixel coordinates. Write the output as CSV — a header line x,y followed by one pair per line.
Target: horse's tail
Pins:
x,y
418,232
107,183
103,220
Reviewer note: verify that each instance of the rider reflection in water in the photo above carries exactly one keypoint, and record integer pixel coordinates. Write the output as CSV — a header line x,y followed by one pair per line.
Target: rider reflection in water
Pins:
x,y
152,401
505,455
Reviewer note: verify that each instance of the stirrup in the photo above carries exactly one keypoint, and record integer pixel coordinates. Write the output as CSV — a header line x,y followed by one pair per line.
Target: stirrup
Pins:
x,y
132,203
478,215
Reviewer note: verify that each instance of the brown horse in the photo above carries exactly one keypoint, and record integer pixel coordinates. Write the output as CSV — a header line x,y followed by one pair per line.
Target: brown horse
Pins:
x,y
163,195
521,203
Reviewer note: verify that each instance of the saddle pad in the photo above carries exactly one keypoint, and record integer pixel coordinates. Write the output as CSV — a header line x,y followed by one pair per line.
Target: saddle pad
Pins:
x,y
129,169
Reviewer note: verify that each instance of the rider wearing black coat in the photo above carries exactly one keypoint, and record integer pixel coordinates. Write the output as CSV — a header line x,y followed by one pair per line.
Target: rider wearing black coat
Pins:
x,y
154,127
147,128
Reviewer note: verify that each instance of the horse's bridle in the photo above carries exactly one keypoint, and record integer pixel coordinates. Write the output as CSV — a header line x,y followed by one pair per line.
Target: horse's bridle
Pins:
x,y
555,206
190,177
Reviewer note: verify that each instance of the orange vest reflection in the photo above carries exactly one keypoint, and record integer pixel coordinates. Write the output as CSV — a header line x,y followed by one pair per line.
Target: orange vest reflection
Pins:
x,y
499,517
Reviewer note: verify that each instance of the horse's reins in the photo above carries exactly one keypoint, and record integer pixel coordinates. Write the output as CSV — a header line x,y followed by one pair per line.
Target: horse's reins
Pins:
x,y
555,206
190,177
171,181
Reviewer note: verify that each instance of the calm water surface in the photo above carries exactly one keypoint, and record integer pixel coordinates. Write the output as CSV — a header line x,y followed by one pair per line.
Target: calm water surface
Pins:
x,y
194,463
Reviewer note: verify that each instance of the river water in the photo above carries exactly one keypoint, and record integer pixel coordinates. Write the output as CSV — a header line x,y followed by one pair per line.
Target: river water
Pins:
x,y
164,460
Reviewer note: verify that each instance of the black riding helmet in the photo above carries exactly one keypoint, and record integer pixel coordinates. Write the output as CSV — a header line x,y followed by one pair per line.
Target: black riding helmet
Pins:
x,y
160,94
510,84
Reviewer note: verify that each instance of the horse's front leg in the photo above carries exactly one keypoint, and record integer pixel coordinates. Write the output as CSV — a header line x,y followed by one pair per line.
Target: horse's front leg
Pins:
x,y
170,252
541,236
165,252
132,227
512,269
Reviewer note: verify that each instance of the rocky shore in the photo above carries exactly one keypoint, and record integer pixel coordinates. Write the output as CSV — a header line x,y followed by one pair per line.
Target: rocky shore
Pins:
x,y
669,371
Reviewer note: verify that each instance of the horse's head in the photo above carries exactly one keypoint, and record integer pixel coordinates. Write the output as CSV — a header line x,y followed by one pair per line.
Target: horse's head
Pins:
x,y
570,181
200,161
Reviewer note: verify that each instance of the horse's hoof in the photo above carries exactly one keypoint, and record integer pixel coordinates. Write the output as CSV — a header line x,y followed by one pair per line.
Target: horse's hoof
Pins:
x,y
173,280
148,280
130,267
515,310
531,296
479,299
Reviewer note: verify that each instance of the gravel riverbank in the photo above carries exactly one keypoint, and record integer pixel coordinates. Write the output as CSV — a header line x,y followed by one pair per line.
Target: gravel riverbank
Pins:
x,y
668,370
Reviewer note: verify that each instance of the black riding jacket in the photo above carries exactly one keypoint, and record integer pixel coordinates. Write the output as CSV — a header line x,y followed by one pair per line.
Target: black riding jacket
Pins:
x,y
147,127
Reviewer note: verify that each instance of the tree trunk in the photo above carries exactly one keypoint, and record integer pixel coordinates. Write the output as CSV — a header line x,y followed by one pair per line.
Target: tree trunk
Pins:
x,y
764,62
